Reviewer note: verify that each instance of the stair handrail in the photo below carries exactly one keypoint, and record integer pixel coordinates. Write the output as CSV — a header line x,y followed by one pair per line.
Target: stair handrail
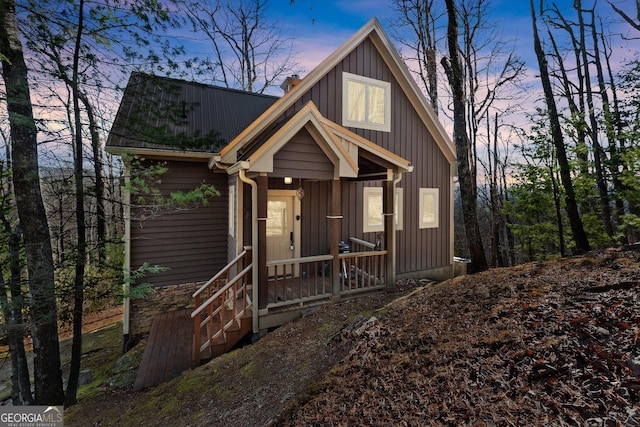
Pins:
x,y
225,270
221,291
216,308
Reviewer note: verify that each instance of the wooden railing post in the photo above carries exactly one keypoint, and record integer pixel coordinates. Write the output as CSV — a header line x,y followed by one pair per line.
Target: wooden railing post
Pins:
x,y
389,230
263,291
334,235
197,342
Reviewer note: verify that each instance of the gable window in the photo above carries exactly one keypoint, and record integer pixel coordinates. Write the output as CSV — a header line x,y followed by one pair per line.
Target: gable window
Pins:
x,y
429,216
366,103
372,214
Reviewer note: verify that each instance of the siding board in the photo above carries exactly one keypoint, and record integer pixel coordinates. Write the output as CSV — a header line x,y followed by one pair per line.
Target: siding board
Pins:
x,y
191,243
302,157
418,249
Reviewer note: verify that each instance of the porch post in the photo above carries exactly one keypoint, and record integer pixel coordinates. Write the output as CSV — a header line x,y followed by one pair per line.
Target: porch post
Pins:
x,y
388,195
334,235
263,290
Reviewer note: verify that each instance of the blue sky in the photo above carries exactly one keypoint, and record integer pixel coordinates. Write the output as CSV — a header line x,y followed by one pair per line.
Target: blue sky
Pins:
x,y
320,26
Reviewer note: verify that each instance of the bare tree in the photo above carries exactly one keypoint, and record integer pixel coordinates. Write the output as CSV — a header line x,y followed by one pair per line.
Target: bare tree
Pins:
x,y
577,228
634,22
598,153
466,173
33,220
421,17
249,51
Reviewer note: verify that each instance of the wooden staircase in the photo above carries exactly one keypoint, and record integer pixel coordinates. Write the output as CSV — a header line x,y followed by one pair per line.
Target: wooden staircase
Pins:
x,y
182,339
225,316
223,342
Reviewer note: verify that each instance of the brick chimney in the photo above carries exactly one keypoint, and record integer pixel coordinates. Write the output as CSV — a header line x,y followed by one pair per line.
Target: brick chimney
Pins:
x,y
290,82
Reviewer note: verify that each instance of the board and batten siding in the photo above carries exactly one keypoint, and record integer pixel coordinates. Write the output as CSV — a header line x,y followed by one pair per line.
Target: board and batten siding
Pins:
x,y
302,156
190,242
417,249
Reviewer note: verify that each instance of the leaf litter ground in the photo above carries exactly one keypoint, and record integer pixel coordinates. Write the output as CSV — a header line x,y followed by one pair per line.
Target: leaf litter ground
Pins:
x,y
544,343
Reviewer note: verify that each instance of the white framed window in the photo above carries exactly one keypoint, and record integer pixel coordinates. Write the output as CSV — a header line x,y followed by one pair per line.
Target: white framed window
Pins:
x,y
372,213
429,216
366,103
233,218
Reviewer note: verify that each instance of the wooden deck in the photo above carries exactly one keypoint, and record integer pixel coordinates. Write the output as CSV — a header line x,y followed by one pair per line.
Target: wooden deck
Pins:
x,y
168,350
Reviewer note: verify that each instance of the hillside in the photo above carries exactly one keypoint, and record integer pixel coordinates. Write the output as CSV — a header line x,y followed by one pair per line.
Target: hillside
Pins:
x,y
547,343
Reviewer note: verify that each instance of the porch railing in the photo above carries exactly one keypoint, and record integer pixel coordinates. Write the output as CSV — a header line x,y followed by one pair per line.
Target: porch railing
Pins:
x,y
299,280
361,271
308,279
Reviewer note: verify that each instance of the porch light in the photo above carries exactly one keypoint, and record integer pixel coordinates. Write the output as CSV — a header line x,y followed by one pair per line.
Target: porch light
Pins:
x,y
288,180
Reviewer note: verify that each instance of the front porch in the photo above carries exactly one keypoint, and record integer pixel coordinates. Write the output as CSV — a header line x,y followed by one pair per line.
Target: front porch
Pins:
x,y
225,309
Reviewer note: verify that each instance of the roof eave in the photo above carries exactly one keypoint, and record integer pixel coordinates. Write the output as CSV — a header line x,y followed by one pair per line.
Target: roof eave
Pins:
x,y
159,153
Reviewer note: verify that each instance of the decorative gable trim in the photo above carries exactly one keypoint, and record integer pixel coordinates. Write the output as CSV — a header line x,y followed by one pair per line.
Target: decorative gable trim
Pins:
x,y
309,118
353,142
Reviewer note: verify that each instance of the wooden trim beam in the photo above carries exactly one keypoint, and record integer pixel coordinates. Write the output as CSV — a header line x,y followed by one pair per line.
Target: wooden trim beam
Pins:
x,y
389,230
334,234
263,290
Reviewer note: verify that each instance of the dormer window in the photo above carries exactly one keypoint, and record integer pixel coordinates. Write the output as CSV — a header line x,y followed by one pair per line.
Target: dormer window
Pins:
x,y
366,103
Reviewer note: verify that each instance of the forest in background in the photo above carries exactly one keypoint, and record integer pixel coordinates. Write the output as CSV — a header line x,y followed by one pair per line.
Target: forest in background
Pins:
x,y
552,176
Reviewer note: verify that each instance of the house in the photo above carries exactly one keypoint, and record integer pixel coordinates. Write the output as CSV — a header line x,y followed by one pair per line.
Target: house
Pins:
x,y
340,186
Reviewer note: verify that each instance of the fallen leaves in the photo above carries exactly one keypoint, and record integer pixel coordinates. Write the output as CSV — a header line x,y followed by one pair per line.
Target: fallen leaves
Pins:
x,y
554,343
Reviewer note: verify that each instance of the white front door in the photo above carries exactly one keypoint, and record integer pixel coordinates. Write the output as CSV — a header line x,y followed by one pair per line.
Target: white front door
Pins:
x,y
283,227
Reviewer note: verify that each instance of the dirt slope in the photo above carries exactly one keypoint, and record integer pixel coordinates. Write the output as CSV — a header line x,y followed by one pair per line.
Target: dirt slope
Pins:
x,y
553,343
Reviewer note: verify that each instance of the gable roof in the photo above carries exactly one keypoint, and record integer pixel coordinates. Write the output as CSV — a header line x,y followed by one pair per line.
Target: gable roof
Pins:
x,y
309,118
160,114
341,146
374,31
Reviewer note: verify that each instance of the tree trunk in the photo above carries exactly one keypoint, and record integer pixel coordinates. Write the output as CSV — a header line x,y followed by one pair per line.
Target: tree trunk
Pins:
x,y
609,120
511,239
12,312
453,69
31,212
99,178
577,229
497,218
556,203
78,284
598,154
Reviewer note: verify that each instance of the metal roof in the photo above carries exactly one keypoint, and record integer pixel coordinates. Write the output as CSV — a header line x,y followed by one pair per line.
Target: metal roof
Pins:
x,y
170,114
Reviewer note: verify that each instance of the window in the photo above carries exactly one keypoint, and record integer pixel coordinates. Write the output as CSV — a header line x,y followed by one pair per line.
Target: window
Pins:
x,y
373,219
277,218
429,208
366,103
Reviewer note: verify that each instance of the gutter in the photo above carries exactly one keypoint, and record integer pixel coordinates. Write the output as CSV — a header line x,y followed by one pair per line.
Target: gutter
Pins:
x,y
241,169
